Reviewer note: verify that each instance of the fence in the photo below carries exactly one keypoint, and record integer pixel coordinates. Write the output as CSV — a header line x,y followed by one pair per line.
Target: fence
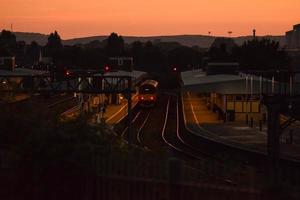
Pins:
x,y
136,177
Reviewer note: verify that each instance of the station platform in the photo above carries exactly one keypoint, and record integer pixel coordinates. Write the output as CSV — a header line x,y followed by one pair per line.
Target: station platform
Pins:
x,y
202,121
114,113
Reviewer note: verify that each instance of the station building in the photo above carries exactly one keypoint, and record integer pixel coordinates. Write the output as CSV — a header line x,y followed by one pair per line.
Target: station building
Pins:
x,y
292,37
235,97
7,63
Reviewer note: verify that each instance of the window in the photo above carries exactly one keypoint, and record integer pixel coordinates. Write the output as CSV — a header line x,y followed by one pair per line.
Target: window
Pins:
x,y
147,89
229,97
239,98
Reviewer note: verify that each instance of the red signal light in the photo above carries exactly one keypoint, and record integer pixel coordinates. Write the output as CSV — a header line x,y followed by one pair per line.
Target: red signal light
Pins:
x,y
67,73
106,68
174,69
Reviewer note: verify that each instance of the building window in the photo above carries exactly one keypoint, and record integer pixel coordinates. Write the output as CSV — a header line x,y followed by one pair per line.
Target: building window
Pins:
x,y
229,98
239,98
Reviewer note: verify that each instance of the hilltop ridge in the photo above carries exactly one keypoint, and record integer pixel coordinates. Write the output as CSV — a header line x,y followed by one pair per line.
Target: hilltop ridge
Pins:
x,y
203,41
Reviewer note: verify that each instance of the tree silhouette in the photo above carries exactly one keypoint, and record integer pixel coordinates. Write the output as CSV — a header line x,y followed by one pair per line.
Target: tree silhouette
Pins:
x,y
54,41
261,54
53,45
184,58
136,51
221,50
32,53
115,45
7,39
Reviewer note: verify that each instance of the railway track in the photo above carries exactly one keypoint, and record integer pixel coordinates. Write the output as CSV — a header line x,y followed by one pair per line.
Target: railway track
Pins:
x,y
154,129
143,124
146,125
138,122
171,135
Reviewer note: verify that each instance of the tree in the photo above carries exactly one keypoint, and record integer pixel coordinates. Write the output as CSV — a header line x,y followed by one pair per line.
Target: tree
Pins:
x,y
54,41
32,53
153,58
136,51
115,45
261,54
184,58
54,44
7,39
221,50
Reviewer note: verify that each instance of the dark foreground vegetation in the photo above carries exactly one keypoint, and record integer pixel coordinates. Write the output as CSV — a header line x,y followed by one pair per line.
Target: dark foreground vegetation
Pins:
x,y
50,158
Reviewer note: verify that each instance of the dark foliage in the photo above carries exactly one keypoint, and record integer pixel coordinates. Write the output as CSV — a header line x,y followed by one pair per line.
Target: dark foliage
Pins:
x,y
261,55
115,45
157,57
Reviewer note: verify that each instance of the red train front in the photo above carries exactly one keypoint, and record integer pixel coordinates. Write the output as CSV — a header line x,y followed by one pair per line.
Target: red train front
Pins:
x,y
147,93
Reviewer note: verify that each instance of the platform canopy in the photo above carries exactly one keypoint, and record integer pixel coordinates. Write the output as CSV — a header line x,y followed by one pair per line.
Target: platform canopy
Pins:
x,y
198,81
135,75
22,72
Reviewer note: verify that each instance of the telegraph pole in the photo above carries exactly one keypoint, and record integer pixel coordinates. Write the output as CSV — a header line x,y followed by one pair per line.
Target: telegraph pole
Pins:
x,y
129,103
274,107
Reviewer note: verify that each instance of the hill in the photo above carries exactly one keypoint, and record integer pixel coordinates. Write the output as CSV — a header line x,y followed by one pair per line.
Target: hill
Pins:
x,y
29,37
202,41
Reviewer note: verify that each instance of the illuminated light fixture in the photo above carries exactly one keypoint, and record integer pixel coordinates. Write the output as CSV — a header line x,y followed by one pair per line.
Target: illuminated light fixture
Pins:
x,y
121,97
152,98
67,73
174,69
4,82
142,98
106,68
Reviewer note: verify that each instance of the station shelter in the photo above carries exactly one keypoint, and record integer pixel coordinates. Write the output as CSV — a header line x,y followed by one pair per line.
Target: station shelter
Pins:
x,y
233,97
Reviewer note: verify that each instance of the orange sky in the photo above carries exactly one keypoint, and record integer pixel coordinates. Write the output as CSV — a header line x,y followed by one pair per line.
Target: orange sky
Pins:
x,y
77,18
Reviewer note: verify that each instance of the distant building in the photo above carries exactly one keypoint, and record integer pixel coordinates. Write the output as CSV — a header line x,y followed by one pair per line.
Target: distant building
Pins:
x,y
121,63
292,38
214,68
7,63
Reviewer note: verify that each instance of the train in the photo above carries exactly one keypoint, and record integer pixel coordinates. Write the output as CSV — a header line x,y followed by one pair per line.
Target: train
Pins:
x,y
148,93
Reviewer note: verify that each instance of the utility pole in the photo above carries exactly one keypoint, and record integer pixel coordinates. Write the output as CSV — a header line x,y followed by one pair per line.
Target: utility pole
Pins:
x,y
274,107
229,33
129,103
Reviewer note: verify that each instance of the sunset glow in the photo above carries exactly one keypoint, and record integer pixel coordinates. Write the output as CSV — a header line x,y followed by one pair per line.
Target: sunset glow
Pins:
x,y
77,18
